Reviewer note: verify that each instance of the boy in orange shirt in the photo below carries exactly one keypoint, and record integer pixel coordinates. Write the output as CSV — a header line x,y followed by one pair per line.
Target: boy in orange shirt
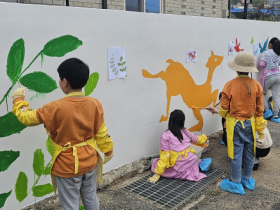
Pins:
x,y
76,126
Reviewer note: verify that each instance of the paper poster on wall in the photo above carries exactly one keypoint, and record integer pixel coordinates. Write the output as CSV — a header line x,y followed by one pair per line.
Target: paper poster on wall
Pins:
x,y
230,47
116,63
191,55
256,49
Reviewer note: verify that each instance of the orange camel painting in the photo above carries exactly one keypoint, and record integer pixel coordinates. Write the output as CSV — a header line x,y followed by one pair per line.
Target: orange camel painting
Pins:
x,y
179,82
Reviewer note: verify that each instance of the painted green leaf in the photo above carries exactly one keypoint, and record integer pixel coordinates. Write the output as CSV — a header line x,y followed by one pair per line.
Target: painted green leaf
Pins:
x,y
42,190
7,158
21,186
39,82
119,64
3,198
15,60
47,170
38,162
58,47
9,125
49,146
123,63
81,208
91,83
121,58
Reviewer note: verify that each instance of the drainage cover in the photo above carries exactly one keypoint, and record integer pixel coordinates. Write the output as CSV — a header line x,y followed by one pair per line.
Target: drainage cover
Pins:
x,y
171,193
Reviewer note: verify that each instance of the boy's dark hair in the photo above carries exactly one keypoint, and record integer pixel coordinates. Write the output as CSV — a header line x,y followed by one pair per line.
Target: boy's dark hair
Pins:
x,y
220,95
272,41
75,71
176,123
276,47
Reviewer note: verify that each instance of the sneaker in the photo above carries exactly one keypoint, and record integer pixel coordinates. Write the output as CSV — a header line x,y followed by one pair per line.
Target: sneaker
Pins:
x,y
267,114
232,187
248,183
277,120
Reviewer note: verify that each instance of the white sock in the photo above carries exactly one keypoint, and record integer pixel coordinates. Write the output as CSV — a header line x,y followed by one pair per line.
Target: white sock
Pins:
x,y
256,161
276,117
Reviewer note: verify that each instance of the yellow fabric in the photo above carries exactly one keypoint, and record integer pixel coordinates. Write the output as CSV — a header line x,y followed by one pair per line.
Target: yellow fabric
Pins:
x,y
230,124
168,159
103,140
108,158
75,94
24,114
223,112
201,139
260,123
154,178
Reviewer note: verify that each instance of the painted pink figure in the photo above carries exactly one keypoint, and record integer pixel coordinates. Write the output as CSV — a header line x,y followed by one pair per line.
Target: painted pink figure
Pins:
x,y
183,168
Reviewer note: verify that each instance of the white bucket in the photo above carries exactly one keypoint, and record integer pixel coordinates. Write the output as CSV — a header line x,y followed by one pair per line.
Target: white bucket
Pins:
x,y
198,150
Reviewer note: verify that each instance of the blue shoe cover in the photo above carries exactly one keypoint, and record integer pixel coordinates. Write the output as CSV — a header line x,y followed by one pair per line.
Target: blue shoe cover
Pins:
x,y
267,114
222,143
205,164
275,120
248,183
232,187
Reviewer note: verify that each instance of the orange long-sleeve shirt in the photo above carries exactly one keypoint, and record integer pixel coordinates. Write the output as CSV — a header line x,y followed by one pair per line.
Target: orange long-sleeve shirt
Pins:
x,y
236,100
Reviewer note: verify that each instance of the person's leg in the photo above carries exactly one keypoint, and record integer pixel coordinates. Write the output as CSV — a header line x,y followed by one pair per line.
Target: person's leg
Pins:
x,y
88,191
275,91
238,151
267,84
68,192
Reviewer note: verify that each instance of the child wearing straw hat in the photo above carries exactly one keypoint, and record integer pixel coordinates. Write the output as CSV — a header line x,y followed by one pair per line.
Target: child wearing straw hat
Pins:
x,y
242,107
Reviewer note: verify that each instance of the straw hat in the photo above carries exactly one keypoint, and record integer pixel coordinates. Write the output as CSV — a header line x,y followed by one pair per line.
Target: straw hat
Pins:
x,y
243,62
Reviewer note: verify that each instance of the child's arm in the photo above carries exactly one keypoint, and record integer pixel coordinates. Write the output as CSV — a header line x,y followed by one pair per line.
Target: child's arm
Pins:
x,y
224,104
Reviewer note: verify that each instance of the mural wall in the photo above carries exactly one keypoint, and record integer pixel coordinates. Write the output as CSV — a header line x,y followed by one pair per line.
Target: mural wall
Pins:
x,y
157,79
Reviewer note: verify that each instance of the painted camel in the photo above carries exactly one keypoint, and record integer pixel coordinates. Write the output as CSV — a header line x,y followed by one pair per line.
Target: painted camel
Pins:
x,y
179,81
192,55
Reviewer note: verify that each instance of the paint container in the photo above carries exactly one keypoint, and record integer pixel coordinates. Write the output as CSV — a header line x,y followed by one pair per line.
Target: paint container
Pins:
x,y
198,150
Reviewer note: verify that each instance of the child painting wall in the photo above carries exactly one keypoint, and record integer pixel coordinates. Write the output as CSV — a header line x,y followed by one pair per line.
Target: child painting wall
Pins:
x,y
35,39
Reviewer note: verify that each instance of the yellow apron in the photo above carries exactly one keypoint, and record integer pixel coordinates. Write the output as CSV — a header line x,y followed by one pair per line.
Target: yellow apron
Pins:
x,y
58,149
230,124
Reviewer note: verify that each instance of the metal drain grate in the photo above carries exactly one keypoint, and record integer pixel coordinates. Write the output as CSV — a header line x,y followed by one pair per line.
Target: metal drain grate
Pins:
x,y
171,192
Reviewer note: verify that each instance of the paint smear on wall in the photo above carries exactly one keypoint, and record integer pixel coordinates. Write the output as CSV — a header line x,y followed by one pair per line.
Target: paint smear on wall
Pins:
x,y
9,125
91,83
263,48
7,158
179,82
3,198
21,186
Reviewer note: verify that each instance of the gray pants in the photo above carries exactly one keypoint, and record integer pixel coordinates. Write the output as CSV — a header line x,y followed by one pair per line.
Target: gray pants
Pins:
x,y
69,190
272,82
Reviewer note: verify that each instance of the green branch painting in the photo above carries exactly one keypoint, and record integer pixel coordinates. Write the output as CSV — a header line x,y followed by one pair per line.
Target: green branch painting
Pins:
x,y
41,83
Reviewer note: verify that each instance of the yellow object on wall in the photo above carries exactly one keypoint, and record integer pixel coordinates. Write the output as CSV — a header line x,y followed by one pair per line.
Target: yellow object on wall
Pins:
x,y
179,82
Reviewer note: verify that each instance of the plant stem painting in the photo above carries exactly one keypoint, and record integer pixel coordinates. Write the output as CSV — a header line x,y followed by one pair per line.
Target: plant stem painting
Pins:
x,y
116,63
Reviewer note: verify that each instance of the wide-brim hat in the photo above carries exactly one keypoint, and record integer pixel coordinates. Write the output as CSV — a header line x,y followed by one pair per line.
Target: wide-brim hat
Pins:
x,y
243,62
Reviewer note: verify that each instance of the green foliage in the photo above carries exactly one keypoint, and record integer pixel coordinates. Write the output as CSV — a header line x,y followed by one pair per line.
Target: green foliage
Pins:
x,y
39,82
49,146
122,64
9,125
91,83
15,60
42,190
47,170
7,158
21,186
38,162
81,208
58,47
3,198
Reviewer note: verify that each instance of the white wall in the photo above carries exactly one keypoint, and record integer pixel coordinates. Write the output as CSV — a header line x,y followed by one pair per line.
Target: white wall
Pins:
x,y
133,106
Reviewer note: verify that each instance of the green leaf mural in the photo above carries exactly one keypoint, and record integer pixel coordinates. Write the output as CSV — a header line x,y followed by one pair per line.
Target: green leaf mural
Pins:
x,y
7,158
39,82
91,83
21,186
42,190
38,162
47,170
49,146
15,60
9,125
3,198
81,208
58,47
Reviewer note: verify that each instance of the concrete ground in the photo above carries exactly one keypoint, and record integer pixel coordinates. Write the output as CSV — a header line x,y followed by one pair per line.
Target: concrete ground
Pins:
x,y
265,196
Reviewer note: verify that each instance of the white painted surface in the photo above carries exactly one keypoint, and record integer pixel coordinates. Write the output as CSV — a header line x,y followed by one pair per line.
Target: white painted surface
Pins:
x,y
133,106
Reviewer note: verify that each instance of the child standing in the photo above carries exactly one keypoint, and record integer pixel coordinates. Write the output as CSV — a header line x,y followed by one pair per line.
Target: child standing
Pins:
x,y
270,62
76,126
242,107
177,160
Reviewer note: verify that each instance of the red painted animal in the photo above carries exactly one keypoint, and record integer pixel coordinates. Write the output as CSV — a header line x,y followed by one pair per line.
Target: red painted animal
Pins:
x,y
237,49
192,55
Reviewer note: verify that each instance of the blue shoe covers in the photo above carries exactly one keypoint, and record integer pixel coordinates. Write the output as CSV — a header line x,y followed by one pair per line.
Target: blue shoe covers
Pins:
x,y
205,164
248,183
275,120
222,143
267,114
232,187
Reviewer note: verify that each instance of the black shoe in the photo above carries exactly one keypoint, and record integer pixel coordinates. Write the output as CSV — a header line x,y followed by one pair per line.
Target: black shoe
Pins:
x,y
255,167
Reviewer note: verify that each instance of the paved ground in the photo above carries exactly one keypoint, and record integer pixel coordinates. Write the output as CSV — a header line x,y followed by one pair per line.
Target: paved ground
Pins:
x,y
265,196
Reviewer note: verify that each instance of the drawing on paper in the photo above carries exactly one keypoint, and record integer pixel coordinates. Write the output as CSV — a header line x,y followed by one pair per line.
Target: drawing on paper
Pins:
x,y
116,63
231,47
256,49
263,48
237,46
191,55
179,82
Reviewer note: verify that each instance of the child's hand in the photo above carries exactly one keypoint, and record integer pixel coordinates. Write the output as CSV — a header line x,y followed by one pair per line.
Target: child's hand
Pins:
x,y
212,109
19,93
108,158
